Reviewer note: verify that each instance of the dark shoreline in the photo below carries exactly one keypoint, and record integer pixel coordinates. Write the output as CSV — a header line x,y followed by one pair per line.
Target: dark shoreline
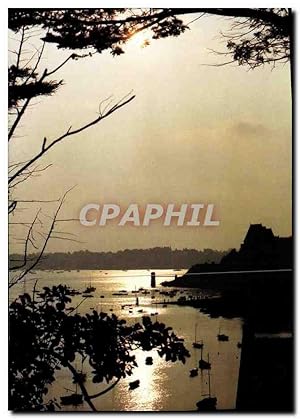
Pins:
x,y
265,302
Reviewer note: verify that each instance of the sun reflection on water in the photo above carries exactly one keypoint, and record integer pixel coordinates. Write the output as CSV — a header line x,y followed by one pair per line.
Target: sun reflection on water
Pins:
x,y
147,396
164,386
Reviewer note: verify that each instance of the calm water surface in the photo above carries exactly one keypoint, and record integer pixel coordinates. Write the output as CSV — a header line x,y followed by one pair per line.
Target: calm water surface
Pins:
x,y
163,386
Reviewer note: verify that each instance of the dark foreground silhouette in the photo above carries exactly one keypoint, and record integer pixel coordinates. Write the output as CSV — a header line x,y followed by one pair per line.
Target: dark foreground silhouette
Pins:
x,y
255,283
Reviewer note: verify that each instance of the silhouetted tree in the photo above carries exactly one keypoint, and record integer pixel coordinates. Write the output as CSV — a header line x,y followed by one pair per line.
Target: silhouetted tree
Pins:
x,y
46,336
26,81
257,36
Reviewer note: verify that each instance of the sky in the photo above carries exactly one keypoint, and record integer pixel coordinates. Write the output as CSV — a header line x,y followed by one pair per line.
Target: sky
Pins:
x,y
193,134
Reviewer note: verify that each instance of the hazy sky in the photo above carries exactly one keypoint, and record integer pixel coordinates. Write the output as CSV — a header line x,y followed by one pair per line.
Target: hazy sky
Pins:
x,y
193,134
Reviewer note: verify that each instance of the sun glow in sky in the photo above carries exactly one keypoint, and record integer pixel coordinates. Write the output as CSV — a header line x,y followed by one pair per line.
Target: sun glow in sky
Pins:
x,y
193,133
140,39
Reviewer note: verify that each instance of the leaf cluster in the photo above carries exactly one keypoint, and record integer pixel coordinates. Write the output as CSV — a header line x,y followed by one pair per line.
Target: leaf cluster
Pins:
x,y
46,336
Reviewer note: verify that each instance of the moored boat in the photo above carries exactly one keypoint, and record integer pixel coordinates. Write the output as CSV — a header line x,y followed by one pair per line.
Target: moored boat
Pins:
x,y
73,399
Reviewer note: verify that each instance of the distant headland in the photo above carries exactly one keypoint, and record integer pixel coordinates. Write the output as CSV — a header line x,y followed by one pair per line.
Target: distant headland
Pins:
x,y
261,254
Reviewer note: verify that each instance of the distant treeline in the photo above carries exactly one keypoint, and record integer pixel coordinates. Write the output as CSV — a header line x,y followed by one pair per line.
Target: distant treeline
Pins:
x,y
157,257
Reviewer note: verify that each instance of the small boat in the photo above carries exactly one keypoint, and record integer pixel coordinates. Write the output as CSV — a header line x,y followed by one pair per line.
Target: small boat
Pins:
x,y
89,289
134,384
73,399
149,360
204,365
194,372
221,337
196,344
74,292
208,403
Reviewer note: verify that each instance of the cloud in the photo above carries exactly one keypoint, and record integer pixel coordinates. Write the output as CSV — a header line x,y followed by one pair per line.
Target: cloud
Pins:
x,y
249,129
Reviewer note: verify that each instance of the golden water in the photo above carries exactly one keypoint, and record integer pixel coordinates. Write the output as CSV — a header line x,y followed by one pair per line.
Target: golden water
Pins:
x,y
163,386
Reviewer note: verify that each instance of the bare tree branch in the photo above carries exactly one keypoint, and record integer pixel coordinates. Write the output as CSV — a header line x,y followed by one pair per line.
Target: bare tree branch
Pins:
x,y
14,268
69,133
34,264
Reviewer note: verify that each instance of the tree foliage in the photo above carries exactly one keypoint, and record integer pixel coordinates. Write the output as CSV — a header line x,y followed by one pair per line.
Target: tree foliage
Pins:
x,y
23,84
46,336
27,81
257,36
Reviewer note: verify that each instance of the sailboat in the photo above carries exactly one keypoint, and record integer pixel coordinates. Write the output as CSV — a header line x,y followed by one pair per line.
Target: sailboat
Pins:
x,y
89,289
134,384
221,337
208,403
74,399
204,365
149,360
194,372
197,345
